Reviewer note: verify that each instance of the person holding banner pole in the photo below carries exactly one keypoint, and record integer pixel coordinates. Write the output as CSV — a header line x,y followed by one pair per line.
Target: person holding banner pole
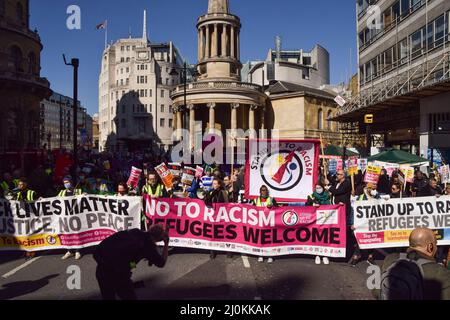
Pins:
x,y
70,191
320,197
265,201
217,195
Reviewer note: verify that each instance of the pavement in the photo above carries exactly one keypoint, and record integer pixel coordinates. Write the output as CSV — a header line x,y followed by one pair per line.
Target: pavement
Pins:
x,y
188,275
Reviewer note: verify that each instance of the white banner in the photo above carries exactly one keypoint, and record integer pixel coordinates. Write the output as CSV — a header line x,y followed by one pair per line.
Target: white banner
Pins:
x,y
65,223
388,224
289,168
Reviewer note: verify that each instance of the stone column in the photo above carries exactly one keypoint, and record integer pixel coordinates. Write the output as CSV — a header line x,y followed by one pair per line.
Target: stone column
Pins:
x,y
212,116
232,54
208,43
199,45
179,120
234,125
224,40
238,46
251,120
263,124
215,43
191,108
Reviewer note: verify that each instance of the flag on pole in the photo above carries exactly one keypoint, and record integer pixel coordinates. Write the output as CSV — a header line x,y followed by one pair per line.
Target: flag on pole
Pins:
x,y
102,25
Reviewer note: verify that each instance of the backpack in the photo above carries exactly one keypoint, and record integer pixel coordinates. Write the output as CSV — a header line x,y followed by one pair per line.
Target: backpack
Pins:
x,y
403,280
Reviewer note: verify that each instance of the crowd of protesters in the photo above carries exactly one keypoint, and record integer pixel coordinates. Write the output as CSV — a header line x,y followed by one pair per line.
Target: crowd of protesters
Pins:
x,y
107,174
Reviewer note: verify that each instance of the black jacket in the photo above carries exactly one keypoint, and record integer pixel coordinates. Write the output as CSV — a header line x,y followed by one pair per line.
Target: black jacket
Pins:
x,y
216,196
428,191
342,194
384,184
125,247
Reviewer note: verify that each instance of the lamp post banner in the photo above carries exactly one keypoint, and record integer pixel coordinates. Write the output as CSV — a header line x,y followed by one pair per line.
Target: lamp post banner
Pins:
x,y
249,229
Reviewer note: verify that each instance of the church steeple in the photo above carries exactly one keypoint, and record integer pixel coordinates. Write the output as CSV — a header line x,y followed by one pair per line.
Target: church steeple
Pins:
x,y
144,31
218,6
219,43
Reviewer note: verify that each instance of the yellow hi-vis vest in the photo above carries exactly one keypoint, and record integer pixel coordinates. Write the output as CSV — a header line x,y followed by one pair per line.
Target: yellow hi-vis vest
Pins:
x,y
158,193
266,204
76,192
30,196
5,186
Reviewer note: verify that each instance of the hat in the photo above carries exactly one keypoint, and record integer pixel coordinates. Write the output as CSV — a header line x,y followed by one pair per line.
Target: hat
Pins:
x,y
67,178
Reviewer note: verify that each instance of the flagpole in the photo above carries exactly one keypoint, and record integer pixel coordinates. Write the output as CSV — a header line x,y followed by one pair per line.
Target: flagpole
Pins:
x,y
106,34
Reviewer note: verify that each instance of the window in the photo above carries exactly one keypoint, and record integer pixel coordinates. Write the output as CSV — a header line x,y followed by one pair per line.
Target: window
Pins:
x,y
123,108
167,81
416,43
122,48
122,59
162,122
441,29
329,122
128,48
128,69
403,51
32,64
162,108
151,93
320,119
405,7
16,56
138,79
170,123
162,93
170,109
150,108
128,59
128,81
19,12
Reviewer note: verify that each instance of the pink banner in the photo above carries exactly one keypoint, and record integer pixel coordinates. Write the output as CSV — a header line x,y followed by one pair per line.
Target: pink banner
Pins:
x,y
251,230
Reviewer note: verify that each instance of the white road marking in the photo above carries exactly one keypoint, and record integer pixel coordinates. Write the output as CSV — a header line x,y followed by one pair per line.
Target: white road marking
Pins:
x,y
246,262
14,271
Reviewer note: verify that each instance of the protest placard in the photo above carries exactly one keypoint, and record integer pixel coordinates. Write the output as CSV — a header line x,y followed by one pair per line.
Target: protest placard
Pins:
x,y
444,172
199,172
362,165
352,166
175,169
372,174
166,175
188,176
133,180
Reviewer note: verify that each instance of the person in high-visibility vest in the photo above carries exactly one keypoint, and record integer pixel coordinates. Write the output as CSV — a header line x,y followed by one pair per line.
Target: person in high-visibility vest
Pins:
x,y
265,201
153,188
70,191
29,196
7,185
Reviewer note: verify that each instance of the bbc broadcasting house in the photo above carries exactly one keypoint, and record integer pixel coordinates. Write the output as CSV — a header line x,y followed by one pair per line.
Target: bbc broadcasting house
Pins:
x,y
403,55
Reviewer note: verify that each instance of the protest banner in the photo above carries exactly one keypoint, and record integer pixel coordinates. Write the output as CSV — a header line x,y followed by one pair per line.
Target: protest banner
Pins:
x,y
166,175
444,172
372,174
362,165
289,168
199,172
388,224
408,172
65,223
251,230
188,176
133,180
352,166
175,169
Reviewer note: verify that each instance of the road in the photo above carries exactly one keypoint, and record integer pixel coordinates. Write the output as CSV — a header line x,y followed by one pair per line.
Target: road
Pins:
x,y
189,275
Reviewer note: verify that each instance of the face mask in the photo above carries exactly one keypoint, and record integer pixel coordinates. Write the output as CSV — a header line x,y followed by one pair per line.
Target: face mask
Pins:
x,y
319,190
67,185
374,193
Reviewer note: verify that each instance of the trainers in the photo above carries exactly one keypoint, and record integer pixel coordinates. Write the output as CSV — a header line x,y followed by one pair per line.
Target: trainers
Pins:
x,y
270,260
77,255
67,255
317,260
260,259
326,260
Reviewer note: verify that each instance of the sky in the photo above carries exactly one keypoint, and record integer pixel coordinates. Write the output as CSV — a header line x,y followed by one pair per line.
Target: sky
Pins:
x,y
300,23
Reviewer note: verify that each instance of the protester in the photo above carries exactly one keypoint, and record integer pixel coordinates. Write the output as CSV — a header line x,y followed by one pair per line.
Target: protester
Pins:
x,y
217,195
415,275
70,191
117,255
265,201
122,190
153,188
320,197
27,195
430,190
419,183
383,183
370,193
229,188
395,192
7,185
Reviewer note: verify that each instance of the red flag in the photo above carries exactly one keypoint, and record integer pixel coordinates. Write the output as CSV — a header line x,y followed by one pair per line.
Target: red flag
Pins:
x,y
278,177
